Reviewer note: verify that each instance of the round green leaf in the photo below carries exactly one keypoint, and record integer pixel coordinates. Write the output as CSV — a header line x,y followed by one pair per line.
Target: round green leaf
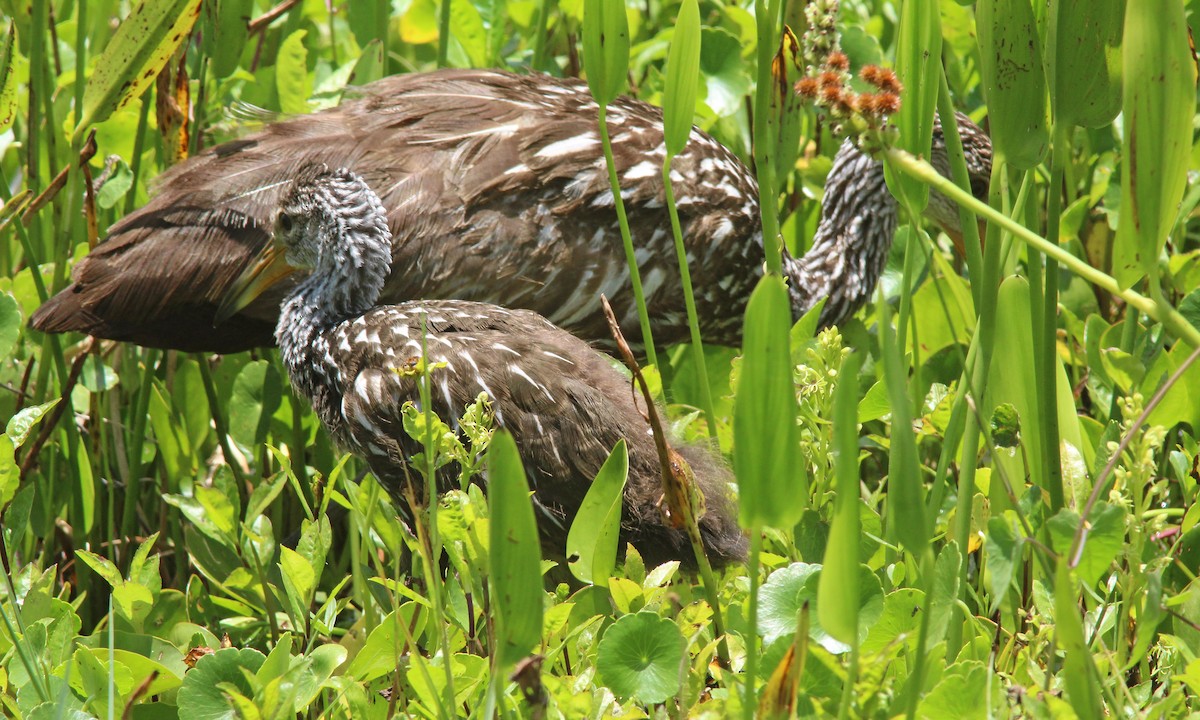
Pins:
x,y
641,656
200,694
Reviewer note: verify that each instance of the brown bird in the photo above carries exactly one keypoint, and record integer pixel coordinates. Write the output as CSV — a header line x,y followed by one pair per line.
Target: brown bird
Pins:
x,y
497,191
564,404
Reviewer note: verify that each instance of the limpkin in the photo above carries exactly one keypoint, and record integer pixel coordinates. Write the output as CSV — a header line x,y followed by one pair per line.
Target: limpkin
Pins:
x,y
496,191
564,404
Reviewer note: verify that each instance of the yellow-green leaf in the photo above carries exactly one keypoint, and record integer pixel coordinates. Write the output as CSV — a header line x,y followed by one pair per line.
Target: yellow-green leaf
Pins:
x,y
8,80
141,47
291,75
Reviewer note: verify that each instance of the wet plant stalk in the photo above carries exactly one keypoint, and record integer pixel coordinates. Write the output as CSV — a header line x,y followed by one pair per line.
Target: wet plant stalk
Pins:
x,y
689,300
1165,314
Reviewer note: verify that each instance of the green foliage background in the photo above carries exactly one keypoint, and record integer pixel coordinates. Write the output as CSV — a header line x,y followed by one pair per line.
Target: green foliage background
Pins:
x,y
1029,548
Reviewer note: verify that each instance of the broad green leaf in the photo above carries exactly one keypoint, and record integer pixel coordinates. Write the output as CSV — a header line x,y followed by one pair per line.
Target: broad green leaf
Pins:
x,y
102,566
201,692
97,376
593,538
725,76
789,589
1014,80
370,65
1150,612
641,656
256,395
10,324
137,52
918,54
1003,545
1159,100
169,436
515,553
683,66
320,664
605,48
1084,60
838,591
226,28
968,690
1082,690
299,581
1103,539
467,27
943,597
278,661
291,75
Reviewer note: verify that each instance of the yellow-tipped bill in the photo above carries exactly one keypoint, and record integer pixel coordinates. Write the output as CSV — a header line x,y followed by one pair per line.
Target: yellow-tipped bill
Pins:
x,y
267,268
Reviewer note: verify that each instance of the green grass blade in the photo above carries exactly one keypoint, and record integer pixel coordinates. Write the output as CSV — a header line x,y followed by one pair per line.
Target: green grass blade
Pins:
x,y
515,553
905,502
8,80
838,591
1078,671
765,12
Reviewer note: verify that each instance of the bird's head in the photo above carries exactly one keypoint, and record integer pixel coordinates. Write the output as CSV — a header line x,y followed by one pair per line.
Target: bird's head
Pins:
x,y
330,224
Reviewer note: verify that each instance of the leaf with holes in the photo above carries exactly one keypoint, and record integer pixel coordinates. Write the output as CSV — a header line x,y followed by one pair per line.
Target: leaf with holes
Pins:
x,y
138,51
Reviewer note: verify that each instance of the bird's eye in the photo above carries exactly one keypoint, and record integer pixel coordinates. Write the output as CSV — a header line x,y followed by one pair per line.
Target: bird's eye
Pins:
x,y
285,222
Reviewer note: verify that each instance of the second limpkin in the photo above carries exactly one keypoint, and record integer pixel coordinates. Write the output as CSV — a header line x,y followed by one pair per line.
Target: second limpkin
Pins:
x,y
496,191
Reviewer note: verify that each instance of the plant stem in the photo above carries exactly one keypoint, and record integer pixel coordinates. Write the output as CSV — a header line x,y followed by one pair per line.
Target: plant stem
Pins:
x,y
765,12
689,300
635,275
1165,314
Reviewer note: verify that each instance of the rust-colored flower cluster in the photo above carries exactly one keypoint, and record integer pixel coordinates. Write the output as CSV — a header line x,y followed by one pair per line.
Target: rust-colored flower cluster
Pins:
x,y
827,83
829,88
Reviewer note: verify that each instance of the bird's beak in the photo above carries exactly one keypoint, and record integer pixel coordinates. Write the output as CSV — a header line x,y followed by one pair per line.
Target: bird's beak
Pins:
x,y
267,268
